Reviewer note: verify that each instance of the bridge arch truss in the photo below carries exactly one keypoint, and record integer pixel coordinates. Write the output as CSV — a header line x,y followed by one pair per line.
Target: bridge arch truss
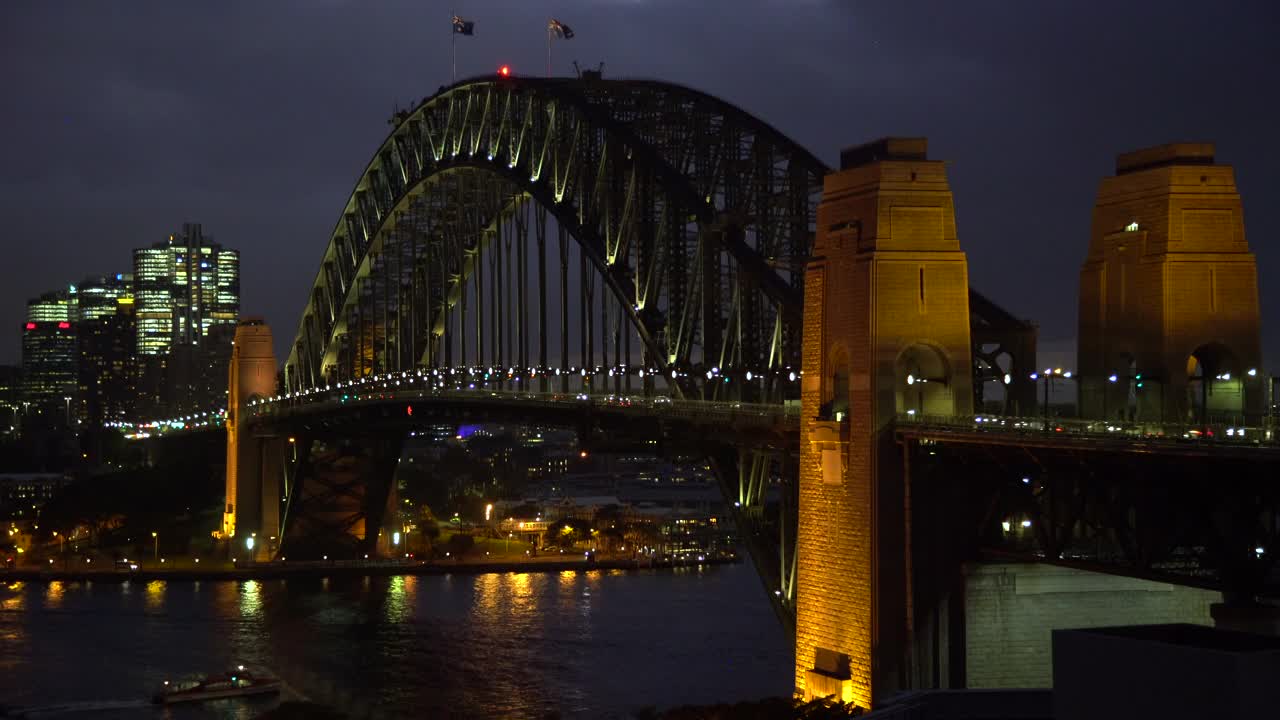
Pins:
x,y
689,221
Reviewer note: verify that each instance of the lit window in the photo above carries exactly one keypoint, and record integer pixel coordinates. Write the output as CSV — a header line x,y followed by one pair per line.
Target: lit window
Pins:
x,y
1131,227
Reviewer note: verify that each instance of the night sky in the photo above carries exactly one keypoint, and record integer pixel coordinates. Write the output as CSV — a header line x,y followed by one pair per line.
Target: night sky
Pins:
x,y
121,120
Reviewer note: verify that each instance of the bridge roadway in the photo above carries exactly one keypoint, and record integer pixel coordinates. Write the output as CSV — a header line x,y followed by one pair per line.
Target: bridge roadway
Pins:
x,y
976,462
426,392
565,408
1219,440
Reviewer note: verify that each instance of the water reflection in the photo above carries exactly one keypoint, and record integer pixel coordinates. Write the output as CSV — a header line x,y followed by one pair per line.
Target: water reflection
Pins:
x,y
402,595
155,596
251,599
488,591
579,643
53,595
13,597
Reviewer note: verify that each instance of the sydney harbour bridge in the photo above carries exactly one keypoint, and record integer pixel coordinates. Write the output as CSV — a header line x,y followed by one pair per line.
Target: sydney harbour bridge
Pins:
x,y
645,262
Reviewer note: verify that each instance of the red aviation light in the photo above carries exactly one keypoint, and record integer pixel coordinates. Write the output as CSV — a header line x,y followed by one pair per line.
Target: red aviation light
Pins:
x,y
505,71
64,326
31,326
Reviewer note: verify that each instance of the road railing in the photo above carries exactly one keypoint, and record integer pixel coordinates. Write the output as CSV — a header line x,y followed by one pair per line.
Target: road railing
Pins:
x,y
1136,431
661,407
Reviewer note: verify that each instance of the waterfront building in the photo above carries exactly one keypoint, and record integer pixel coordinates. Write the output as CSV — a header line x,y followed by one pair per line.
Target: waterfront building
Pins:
x,y
22,494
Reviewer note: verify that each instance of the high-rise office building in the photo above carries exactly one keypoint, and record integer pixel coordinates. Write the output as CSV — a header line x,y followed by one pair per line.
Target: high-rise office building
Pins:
x,y
97,296
187,301
50,356
108,377
183,287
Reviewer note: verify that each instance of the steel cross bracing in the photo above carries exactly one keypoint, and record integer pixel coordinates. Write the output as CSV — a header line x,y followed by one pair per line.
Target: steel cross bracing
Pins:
x,y
691,221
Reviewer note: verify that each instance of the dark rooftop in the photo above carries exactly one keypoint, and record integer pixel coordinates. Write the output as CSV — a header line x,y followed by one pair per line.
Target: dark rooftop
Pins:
x,y
889,148
1164,156
1199,636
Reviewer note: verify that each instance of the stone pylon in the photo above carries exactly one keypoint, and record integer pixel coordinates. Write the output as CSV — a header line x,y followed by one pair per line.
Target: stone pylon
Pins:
x,y
1169,321
886,333
252,506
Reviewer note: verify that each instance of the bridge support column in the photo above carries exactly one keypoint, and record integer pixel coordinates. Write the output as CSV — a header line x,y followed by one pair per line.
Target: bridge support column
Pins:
x,y
340,501
886,331
252,375
1169,321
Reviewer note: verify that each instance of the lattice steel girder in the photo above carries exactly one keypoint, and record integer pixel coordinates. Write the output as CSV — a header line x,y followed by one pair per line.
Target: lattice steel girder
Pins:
x,y
1188,512
639,172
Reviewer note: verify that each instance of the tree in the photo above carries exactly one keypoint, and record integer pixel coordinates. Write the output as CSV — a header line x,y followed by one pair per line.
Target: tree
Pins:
x,y
458,544
567,532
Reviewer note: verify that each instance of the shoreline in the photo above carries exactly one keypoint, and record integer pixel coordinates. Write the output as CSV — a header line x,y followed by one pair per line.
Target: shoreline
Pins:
x,y
350,569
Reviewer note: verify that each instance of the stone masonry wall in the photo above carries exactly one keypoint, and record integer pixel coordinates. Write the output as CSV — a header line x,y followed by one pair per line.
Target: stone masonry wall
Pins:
x,y
1012,609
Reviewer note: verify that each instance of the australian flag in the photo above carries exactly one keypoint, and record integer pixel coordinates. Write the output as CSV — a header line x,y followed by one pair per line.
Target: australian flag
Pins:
x,y
560,29
463,27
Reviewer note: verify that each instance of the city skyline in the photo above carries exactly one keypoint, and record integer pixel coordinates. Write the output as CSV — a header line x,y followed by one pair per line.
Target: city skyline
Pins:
x,y
836,75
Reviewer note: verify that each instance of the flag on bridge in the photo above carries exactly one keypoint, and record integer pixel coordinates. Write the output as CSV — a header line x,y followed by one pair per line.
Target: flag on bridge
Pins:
x,y
463,27
560,29
460,27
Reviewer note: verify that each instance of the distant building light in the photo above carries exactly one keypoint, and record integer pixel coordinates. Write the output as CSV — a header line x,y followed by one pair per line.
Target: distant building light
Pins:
x,y
1131,227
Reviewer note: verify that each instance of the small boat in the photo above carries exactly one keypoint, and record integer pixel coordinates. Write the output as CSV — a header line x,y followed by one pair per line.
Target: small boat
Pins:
x,y
233,683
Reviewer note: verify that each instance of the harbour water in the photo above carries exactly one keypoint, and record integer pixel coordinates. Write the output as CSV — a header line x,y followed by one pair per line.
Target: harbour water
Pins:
x,y
590,644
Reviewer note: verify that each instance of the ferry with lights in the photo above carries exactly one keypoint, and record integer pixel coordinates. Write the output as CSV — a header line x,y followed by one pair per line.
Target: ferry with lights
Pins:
x,y
234,683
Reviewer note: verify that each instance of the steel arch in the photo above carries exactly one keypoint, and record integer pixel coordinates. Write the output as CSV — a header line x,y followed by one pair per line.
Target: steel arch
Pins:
x,y
649,179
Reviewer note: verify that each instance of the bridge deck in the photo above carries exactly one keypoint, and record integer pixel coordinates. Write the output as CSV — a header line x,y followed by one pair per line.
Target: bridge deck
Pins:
x,y
1093,435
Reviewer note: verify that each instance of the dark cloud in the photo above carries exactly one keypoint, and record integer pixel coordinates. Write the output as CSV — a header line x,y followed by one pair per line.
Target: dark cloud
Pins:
x,y
122,120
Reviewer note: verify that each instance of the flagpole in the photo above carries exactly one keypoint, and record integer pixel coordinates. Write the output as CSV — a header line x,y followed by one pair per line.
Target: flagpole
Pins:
x,y
548,51
453,42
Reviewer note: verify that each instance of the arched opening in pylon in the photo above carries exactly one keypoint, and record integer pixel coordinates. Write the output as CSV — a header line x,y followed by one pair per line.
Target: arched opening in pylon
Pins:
x,y
1214,385
922,382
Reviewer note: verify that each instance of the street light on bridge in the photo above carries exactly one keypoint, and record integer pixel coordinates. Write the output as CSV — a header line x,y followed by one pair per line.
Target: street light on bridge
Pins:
x,y
1048,377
